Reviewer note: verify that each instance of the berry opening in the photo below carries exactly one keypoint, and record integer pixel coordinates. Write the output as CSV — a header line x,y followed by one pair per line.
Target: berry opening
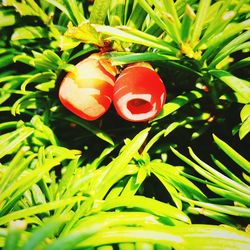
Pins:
x,y
139,106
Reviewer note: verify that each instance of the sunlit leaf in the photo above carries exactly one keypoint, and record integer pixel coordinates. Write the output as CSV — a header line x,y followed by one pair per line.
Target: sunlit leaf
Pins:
x,y
199,20
13,140
28,8
15,230
28,32
117,168
148,205
99,11
245,112
85,33
7,18
244,128
40,235
178,102
131,35
117,12
238,85
38,209
235,156
176,237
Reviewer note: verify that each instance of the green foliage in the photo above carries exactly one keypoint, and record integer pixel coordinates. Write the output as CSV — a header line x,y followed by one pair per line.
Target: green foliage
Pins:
x,y
66,183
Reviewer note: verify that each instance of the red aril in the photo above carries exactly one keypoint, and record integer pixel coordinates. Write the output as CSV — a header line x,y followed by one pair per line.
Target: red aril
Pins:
x,y
139,93
89,92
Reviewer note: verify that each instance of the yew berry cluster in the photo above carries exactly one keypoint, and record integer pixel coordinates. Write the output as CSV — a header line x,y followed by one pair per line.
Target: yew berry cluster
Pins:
x,y
138,93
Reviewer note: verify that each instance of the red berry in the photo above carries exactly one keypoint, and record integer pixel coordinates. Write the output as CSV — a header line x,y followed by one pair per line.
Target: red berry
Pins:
x,y
88,94
139,93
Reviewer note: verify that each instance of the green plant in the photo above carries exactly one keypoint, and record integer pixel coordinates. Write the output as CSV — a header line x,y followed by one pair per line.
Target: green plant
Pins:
x,y
136,189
